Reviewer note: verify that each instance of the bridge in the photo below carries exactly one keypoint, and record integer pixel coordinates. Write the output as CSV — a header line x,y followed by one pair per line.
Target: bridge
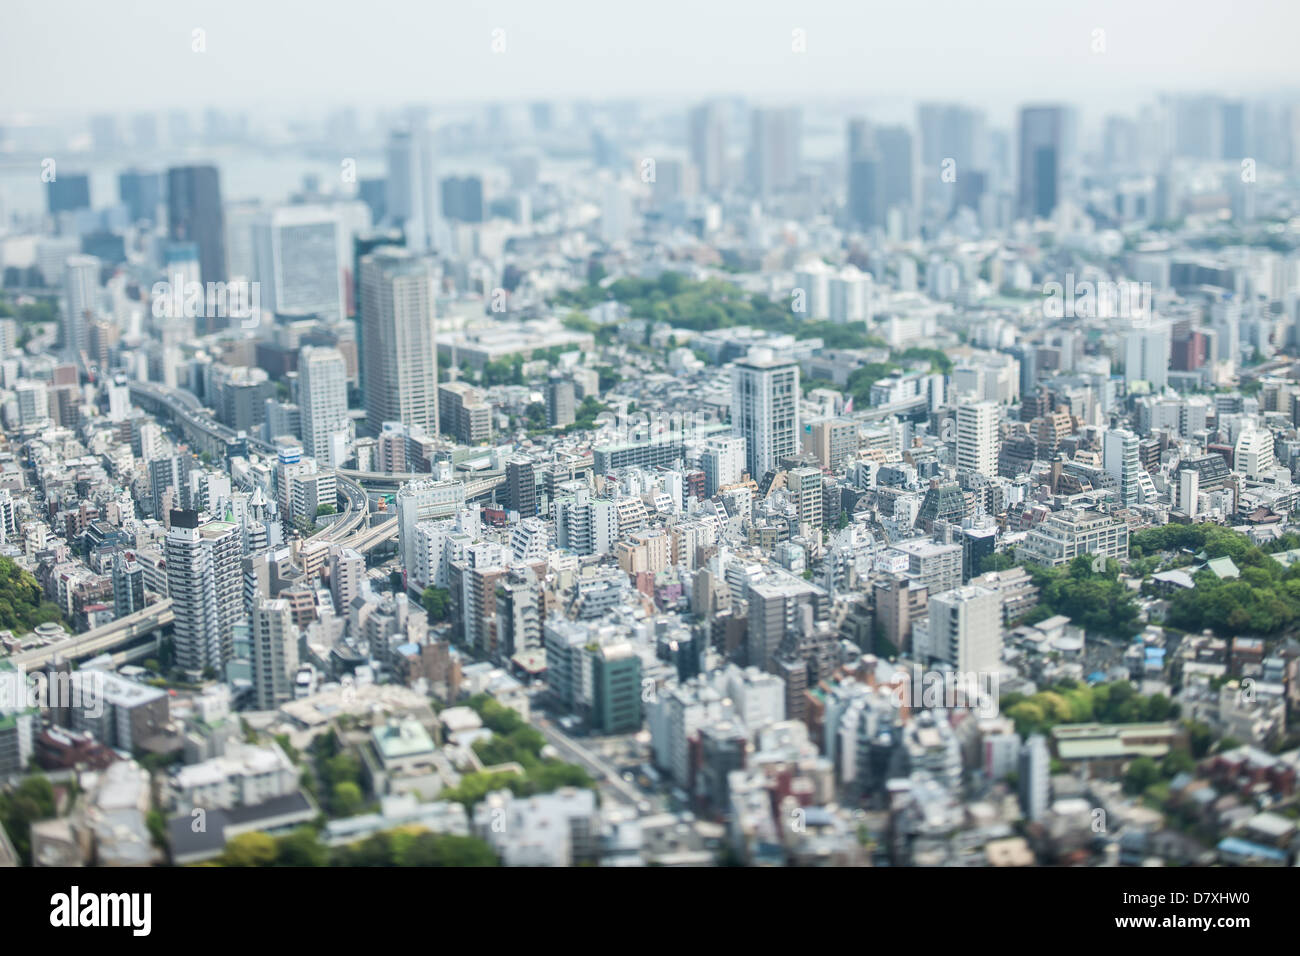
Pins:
x,y
367,539
96,641
391,481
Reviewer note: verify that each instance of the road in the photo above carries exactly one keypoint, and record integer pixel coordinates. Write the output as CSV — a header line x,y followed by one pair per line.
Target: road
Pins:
x,y
604,774
100,639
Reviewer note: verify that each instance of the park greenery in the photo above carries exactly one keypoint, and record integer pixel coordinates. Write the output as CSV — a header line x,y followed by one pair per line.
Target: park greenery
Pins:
x,y
22,605
1264,600
513,740
335,778
701,305
1095,600
405,846
1071,702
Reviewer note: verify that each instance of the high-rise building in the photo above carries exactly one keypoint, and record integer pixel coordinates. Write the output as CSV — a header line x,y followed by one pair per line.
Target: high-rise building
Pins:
x,y
1121,461
1045,142
323,399
521,486
765,409
775,149
413,194
949,132
1146,355
707,136
81,289
401,373
805,486
347,569
204,581
68,192
897,178
141,191
965,630
1035,777
561,406
1254,452
462,198
776,606
195,214
273,653
977,438
723,461
463,414
300,255
128,584
616,689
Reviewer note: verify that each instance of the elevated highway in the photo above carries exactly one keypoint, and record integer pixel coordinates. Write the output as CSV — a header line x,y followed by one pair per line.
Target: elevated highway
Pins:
x,y
97,641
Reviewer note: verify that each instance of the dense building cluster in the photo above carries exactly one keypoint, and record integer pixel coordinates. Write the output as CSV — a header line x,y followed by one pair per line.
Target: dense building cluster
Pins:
x,y
924,499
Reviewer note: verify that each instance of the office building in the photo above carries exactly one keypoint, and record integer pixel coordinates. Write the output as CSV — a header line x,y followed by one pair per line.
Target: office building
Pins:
x,y
707,139
300,256
81,292
400,358
1045,141
775,149
195,214
765,409
323,404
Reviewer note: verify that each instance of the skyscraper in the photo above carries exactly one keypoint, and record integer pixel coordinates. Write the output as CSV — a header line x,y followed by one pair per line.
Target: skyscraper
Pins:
x,y
977,438
775,149
897,155
401,372
141,191
204,581
413,194
323,398
81,288
707,136
949,131
765,409
299,254
1045,141
195,214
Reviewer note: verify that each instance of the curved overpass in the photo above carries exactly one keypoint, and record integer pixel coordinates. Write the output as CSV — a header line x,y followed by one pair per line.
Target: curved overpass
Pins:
x,y
100,639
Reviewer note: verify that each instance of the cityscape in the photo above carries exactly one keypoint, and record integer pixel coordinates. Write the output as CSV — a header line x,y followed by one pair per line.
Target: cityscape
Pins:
x,y
757,466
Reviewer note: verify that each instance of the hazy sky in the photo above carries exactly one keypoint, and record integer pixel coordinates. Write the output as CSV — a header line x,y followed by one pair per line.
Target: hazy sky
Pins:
x,y
75,55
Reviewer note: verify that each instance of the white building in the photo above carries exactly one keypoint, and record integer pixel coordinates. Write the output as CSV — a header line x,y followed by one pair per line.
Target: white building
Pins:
x,y
765,409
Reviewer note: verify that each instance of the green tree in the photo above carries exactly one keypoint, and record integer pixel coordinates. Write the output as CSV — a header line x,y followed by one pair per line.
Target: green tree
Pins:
x,y
437,603
249,849
1141,773
347,798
